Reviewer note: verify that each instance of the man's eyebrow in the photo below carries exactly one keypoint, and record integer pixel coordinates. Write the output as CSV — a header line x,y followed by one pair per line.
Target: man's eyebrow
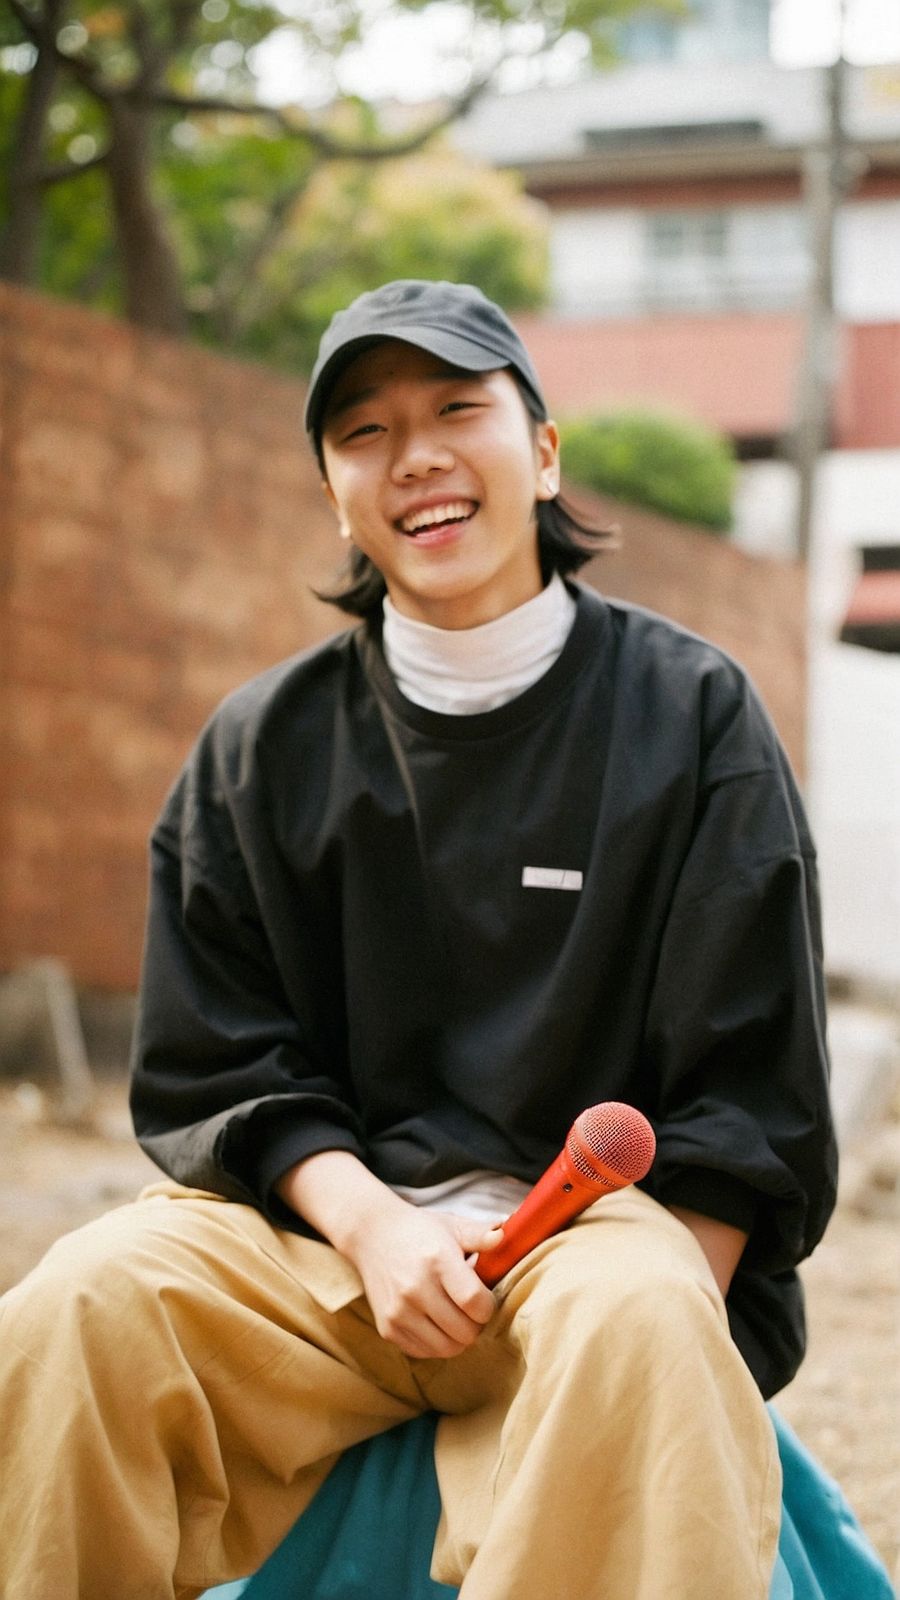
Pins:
x,y
336,408
357,397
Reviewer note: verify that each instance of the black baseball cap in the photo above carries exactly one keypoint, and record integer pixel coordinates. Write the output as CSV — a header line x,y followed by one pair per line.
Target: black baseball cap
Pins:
x,y
454,321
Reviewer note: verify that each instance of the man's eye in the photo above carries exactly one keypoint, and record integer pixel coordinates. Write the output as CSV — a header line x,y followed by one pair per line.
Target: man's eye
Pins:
x,y
365,428
461,405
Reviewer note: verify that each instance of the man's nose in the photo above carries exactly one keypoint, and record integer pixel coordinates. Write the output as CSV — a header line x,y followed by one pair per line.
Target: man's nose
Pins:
x,y
419,453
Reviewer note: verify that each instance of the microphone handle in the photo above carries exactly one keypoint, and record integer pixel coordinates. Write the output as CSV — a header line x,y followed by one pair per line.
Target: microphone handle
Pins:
x,y
558,1196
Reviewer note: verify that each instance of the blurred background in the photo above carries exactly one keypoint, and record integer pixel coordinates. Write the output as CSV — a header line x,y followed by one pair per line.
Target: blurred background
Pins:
x,y
692,211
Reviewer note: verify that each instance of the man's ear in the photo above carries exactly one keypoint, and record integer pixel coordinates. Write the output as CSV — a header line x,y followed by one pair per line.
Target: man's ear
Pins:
x,y
328,492
546,442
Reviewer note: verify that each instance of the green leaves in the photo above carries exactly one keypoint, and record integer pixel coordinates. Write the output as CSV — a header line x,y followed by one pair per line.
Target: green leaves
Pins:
x,y
648,458
212,212
350,226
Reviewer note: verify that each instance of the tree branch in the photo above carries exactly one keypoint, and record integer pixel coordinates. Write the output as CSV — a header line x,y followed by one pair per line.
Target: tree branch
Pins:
x,y
154,54
20,235
184,13
316,267
32,26
326,145
70,169
44,37
232,309
152,58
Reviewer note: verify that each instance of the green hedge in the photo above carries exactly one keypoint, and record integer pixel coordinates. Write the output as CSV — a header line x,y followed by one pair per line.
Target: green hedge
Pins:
x,y
652,459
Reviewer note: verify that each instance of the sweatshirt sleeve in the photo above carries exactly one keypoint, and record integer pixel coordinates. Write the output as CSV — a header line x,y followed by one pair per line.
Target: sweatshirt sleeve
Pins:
x,y
736,1026
232,1079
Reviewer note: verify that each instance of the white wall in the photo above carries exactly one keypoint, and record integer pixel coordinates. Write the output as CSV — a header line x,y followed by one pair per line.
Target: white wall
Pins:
x,y
596,260
855,723
853,751
853,748
601,264
867,261
765,509
855,806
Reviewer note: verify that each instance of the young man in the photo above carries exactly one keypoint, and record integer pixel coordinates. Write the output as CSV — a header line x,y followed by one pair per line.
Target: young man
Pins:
x,y
419,897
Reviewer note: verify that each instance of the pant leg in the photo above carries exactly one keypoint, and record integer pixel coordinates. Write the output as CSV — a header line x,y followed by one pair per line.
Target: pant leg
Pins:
x,y
636,1460
176,1380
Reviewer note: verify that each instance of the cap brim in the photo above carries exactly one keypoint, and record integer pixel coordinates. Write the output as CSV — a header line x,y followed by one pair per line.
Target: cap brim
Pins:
x,y
451,347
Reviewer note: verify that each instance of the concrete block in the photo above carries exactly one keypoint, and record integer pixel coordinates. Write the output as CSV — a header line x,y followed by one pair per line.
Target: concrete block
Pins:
x,y
41,1035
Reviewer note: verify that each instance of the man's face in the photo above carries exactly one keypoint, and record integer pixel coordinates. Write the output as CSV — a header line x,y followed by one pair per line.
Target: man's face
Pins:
x,y
434,474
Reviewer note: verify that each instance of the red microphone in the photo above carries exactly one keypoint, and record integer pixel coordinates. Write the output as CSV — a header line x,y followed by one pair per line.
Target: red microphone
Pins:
x,y
608,1146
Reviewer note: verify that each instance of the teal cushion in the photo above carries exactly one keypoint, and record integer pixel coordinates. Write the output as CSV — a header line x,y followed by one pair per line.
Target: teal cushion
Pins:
x,y
822,1545
369,1533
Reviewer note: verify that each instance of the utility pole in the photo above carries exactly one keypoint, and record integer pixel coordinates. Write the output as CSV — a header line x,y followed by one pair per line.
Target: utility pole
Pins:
x,y
828,172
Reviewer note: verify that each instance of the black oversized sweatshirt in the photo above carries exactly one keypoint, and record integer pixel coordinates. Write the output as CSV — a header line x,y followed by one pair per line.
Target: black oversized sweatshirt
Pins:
x,y
432,940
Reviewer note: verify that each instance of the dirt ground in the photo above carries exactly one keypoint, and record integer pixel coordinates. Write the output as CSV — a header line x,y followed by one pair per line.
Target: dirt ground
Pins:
x,y
845,1404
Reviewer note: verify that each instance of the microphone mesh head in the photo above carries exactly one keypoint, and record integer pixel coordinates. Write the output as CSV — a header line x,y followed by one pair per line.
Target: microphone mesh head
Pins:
x,y
613,1136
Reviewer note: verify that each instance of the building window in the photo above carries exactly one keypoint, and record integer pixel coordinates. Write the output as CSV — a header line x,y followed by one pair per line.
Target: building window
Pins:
x,y
687,235
709,30
745,258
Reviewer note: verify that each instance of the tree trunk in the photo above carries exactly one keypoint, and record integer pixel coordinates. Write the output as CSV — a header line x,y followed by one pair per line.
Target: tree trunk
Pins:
x,y
20,238
153,288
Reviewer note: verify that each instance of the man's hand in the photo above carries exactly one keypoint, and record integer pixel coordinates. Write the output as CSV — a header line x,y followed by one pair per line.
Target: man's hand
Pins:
x,y
424,1294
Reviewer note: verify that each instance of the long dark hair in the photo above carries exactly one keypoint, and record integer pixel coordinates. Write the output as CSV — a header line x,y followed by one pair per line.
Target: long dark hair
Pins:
x,y
565,543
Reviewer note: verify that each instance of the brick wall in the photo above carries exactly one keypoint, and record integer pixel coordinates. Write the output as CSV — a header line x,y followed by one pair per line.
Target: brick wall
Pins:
x,y
161,524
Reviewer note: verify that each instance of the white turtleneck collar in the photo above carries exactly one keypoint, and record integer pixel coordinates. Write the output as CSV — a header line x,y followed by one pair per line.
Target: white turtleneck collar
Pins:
x,y
466,670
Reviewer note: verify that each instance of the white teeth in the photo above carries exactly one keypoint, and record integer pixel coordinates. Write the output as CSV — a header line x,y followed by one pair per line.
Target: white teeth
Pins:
x,y
452,511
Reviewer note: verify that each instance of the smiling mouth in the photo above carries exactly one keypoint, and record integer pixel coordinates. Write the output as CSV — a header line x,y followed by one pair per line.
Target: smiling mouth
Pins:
x,y
431,519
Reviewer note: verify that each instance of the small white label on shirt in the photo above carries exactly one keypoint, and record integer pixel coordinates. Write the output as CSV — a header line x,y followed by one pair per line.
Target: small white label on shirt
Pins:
x,y
551,878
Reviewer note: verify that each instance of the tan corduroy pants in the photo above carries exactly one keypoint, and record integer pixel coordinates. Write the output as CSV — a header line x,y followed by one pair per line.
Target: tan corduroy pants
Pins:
x,y
177,1379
